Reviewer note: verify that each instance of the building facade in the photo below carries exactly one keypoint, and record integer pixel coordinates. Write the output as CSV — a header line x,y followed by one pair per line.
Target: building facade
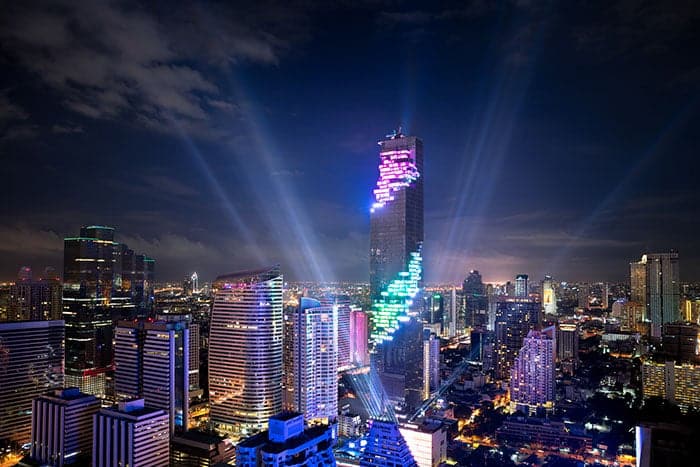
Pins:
x,y
549,296
386,447
245,351
515,317
678,383
533,374
659,274
31,363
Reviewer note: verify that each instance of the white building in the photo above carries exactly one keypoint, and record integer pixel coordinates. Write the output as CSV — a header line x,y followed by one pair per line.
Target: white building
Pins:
x,y
427,442
532,376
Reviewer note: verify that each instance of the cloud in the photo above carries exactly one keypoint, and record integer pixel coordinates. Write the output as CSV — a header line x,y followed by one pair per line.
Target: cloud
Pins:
x,y
117,60
28,241
67,129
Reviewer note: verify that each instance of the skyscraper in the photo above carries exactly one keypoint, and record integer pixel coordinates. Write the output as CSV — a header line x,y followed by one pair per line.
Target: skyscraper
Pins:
x,y
532,377
657,276
245,351
431,363
475,300
567,347
386,447
311,360
514,319
98,277
358,337
131,434
35,300
549,297
341,304
62,427
521,287
31,363
396,232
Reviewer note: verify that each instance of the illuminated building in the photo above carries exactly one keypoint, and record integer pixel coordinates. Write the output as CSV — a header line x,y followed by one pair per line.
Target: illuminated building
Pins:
x,y
660,275
311,360
514,319
358,337
549,297
431,363
245,351
349,425
452,324
62,427
31,363
342,310
396,232
532,376
542,432
676,382
152,361
199,449
35,300
131,434
386,447
435,308
521,288
426,441
475,301
287,443
584,296
99,283
567,347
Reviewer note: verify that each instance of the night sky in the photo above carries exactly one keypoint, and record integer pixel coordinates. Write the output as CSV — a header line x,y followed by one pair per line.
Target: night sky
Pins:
x,y
560,137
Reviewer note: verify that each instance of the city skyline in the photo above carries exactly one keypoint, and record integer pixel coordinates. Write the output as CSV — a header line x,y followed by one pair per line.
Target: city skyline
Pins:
x,y
542,157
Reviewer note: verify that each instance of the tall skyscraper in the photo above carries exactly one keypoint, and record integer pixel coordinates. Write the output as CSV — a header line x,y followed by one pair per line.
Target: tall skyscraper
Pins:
x,y
245,351
657,276
431,363
62,427
359,326
532,376
567,347
399,364
396,232
152,362
549,297
341,304
584,296
386,447
514,319
131,434
98,280
31,363
311,360
475,300
521,287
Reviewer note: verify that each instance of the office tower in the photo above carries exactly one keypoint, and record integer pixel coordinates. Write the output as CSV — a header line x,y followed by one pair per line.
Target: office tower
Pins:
x,y
152,362
386,447
245,351
35,300
475,300
62,427
681,342
98,280
431,363
427,442
532,377
131,434
515,317
359,326
435,308
661,288
665,444
678,383
396,232
549,297
521,290
584,296
200,449
567,347
341,304
399,365
31,363
311,360
453,313
287,443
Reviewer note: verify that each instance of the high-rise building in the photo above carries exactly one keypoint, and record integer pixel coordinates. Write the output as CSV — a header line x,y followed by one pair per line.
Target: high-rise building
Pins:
x,y
475,300
245,351
199,449
131,434
681,342
549,297
515,317
98,284
660,275
359,327
521,287
342,310
386,447
427,442
311,360
532,376
676,382
431,363
399,364
396,232
584,296
287,443
31,363
62,427
35,300
567,347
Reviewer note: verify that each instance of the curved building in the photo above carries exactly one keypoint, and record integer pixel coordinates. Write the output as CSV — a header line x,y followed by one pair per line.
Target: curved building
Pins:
x,y
245,351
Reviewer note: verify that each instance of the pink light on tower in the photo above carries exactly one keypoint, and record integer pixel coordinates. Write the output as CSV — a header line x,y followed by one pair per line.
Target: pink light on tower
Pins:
x,y
397,170
358,337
